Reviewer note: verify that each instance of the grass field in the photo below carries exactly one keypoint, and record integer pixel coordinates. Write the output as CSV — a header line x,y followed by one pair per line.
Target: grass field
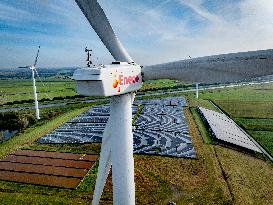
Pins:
x,y
252,93
251,107
256,117
21,89
17,90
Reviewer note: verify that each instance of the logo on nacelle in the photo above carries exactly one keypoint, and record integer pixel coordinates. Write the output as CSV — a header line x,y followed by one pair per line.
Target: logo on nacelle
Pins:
x,y
124,80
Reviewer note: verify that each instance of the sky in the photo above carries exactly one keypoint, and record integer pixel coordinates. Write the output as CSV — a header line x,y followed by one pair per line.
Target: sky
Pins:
x,y
152,31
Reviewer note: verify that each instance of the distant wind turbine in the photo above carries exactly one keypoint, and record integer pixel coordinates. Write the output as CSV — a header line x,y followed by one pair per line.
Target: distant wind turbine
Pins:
x,y
34,70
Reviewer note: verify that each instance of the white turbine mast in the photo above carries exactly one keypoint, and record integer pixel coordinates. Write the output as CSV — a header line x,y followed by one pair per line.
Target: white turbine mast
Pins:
x,y
121,79
33,71
197,90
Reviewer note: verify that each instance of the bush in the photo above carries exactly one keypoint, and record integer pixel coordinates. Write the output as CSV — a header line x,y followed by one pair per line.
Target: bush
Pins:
x,y
16,120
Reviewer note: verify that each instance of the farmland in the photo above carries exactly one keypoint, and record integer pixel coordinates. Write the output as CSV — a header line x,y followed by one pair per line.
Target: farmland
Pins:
x,y
251,107
18,89
154,180
219,175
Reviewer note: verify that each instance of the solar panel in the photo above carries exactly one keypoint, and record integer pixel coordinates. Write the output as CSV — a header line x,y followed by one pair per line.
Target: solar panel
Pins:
x,y
55,169
225,129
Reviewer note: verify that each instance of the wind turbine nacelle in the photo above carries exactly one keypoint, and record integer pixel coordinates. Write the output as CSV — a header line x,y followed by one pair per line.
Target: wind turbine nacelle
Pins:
x,y
108,80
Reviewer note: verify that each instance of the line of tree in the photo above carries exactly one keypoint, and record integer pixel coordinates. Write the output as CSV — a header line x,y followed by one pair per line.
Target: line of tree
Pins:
x,y
21,120
178,86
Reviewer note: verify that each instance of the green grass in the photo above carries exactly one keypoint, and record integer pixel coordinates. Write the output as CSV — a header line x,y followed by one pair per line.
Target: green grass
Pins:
x,y
93,148
256,93
159,84
32,198
206,137
254,124
265,138
247,109
21,89
17,90
191,99
249,179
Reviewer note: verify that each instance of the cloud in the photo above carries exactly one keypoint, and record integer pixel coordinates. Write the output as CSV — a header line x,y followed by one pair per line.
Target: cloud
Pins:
x,y
152,31
249,29
58,26
7,13
196,6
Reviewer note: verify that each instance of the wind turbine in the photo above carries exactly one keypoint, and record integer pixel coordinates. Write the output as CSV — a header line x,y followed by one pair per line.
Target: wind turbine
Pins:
x,y
121,79
33,70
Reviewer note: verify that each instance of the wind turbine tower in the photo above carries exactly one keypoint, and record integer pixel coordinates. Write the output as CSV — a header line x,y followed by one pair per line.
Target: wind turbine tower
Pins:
x,y
36,106
197,91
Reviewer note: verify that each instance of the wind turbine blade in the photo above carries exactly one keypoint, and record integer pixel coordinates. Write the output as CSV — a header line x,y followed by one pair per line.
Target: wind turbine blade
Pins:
x,y
215,69
41,82
36,59
39,76
98,20
104,164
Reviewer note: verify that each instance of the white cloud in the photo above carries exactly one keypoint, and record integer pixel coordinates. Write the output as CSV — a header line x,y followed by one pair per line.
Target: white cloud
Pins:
x,y
196,6
7,13
251,30
152,34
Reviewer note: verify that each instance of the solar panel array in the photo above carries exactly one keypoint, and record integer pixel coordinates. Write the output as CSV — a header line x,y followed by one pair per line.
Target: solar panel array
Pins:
x,y
87,127
160,129
225,129
55,169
